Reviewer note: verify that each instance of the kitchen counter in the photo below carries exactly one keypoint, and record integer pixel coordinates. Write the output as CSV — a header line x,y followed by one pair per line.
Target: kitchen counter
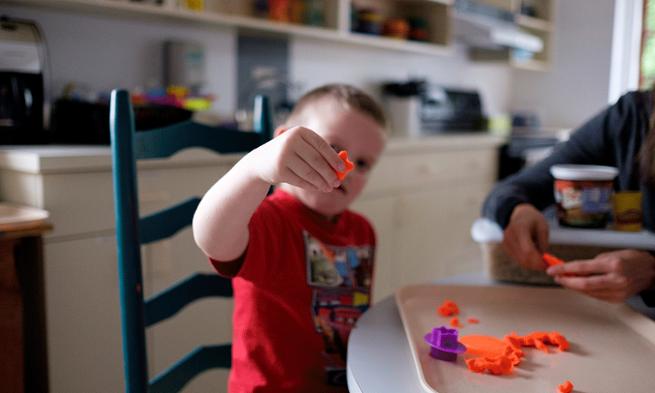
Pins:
x,y
68,158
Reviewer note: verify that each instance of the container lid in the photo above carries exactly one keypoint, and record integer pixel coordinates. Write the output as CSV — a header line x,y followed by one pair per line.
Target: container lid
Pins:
x,y
583,172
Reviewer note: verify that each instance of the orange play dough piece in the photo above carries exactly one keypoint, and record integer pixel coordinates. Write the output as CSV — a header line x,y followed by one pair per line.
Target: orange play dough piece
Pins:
x,y
498,366
552,260
538,340
491,347
566,387
558,339
455,323
473,320
448,308
483,346
498,357
349,165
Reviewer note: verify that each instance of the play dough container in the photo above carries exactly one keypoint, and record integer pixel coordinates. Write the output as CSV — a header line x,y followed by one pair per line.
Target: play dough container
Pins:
x,y
583,194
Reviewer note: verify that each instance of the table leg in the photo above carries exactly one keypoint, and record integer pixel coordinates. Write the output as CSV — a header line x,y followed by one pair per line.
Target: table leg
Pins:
x,y
11,321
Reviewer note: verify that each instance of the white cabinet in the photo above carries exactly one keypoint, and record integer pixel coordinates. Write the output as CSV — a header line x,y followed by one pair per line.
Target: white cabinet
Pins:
x,y
422,198
81,279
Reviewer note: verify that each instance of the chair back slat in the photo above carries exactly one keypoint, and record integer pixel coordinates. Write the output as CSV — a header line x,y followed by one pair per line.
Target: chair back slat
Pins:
x,y
167,222
127,241
166,141
170,301
201,359
131,231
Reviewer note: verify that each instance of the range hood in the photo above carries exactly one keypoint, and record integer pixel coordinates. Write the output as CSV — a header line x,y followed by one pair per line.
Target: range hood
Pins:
x,y
484,31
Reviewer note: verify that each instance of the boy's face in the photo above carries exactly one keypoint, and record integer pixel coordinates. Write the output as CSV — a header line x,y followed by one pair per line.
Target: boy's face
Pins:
x,y
348,130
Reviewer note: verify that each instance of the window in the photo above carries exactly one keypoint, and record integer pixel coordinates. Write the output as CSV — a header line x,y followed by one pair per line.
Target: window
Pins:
x,y
647,61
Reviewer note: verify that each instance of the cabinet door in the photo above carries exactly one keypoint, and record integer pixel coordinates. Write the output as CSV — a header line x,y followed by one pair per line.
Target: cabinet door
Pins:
x,y
83,317
433,235
380,211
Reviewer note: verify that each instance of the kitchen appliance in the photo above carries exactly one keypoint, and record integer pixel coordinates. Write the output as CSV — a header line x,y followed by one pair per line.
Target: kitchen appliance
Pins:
x,y
417,107
446,109
21,82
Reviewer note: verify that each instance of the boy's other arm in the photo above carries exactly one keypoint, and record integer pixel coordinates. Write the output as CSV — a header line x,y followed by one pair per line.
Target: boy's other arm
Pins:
x,y
297,156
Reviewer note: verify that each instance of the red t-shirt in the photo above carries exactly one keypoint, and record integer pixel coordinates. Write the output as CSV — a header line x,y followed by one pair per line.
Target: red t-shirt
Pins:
x,y
302,284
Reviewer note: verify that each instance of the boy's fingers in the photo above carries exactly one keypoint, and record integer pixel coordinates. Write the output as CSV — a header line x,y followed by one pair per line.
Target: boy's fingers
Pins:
x,y
306,172
298,181
324,149
318,163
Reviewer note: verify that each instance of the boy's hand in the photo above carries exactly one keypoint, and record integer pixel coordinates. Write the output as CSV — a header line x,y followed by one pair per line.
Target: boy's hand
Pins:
x,y
300,157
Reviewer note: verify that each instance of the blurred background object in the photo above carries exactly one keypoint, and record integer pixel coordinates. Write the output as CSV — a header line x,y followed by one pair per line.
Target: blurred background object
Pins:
x,y
22,72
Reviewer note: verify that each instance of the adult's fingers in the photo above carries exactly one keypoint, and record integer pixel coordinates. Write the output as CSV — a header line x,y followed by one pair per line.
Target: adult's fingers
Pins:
x,y
542,236
531,255
591,283
611,295
582,267
324,149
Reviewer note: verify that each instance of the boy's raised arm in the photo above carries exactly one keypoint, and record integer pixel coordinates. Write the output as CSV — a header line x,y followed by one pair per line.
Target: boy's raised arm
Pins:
x,y
297,156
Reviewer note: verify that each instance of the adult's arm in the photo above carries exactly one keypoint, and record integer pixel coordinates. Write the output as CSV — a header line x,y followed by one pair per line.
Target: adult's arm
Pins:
x,y
592,143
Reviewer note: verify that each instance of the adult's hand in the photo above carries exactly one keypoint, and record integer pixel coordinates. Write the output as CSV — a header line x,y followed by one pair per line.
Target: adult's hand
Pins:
x,y
526,236
612,276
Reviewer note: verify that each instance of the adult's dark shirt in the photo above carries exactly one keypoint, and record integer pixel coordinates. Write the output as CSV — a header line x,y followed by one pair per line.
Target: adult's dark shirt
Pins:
x,y
613,137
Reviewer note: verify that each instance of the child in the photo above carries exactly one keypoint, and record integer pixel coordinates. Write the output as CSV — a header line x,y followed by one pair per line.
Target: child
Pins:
x,y
302,263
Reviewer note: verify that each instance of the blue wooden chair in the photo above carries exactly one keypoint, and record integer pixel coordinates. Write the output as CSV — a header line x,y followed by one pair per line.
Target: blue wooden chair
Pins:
x,y
132,231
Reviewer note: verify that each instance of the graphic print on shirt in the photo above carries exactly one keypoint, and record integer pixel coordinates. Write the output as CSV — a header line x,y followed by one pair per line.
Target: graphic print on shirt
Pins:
x,y
340,278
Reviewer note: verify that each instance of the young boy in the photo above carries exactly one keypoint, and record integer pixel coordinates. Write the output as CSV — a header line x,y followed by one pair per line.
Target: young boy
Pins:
x,y
302,263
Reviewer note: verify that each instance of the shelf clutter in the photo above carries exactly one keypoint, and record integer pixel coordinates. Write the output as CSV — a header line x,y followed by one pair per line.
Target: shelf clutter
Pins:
x,y
533,18
416,26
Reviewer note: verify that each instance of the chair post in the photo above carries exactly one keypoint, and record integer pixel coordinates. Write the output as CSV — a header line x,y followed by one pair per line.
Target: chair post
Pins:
x,y
127,241
262,118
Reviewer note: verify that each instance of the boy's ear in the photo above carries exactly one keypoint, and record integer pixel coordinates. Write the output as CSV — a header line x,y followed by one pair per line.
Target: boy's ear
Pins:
x,y
280,130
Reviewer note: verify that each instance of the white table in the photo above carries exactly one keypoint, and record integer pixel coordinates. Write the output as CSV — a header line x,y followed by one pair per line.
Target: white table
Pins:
x,y
379,358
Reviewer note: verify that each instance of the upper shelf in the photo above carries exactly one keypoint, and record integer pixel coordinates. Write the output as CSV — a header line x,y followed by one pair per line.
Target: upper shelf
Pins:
x,y
144,10
533,23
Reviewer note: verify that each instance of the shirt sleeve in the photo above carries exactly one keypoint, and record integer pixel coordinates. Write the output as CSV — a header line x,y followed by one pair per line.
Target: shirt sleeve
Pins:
x,y
589,144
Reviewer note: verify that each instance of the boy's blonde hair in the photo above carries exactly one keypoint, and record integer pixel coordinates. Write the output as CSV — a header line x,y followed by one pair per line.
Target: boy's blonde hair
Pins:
x,y
348,96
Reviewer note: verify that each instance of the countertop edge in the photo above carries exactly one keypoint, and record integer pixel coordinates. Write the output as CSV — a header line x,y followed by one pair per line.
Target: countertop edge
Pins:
x,y
49,159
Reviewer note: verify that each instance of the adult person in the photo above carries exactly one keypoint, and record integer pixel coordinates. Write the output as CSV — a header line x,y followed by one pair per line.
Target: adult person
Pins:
x,y
622,136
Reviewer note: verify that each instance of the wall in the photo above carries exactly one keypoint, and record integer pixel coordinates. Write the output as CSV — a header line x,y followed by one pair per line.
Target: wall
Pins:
x,y
368,67
577,85
105,52
102,53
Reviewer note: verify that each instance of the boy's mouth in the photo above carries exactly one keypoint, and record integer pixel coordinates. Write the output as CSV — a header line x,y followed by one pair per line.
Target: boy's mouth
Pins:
x,y
341,188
